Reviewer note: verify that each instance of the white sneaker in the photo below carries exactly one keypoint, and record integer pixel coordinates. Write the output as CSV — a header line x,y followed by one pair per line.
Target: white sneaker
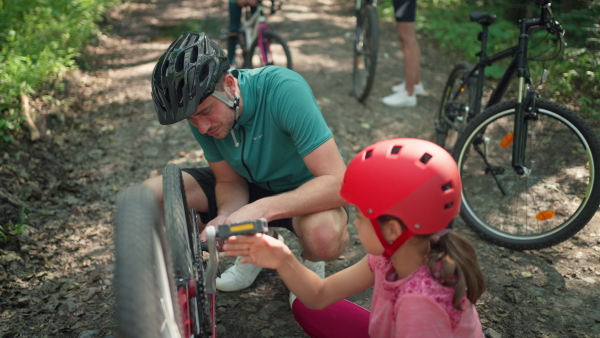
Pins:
x,y
400,99
418,88
316,267
240,276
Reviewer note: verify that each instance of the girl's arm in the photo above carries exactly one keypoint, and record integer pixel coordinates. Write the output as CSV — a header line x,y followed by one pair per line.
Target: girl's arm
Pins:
x,y
314,292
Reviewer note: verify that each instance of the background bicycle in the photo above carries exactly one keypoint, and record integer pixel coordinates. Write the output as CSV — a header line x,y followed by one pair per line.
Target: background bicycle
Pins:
x,y
165,277
537,162
366,46
258,45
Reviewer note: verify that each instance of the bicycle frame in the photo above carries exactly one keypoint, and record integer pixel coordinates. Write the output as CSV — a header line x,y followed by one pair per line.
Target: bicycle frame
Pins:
x,y
360,2
518,66
253,28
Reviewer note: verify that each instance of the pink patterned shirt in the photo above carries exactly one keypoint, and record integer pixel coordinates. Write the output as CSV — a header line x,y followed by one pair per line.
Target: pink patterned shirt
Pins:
x,y
417,306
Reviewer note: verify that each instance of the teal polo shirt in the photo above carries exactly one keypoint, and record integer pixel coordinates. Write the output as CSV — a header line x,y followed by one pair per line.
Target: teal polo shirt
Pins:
x,y
279,125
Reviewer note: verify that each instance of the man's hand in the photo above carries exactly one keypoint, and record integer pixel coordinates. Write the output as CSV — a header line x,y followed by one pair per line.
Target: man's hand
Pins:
x,y
258,249
255,210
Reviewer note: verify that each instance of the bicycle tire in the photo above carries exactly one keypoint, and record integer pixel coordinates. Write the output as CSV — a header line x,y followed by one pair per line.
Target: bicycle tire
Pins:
x,y
145,291
366,46
455,106
278,53
550,204
177,224
177,221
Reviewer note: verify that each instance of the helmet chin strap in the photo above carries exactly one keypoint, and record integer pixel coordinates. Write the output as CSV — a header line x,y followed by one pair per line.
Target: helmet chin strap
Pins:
x,y
390,248
233,104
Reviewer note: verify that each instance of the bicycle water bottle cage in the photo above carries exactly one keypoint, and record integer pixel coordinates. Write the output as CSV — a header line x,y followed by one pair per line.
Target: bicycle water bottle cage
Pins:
x,y
484,19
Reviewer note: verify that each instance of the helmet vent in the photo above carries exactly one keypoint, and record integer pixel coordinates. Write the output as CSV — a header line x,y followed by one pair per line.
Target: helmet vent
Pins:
x,y
180,92
203,73
368,154
165,66
425,158
194,55
396,150
191,83
448,205
447,186
184,42
179,62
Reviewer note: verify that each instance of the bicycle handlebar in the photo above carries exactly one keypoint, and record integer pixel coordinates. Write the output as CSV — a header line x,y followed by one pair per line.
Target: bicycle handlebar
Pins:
x,y
547,19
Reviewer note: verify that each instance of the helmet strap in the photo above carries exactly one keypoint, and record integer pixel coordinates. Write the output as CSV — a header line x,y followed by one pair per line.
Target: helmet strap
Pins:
x,y
233,104
389,249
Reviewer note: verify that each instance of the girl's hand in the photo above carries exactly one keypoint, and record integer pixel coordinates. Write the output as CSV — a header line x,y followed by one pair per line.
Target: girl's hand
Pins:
x,y
258,249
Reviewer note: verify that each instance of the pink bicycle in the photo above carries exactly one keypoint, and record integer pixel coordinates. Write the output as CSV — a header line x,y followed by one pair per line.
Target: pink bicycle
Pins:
x,y
258,45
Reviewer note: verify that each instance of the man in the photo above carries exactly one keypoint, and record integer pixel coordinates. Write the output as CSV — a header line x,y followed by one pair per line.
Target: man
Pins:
x,y
270,153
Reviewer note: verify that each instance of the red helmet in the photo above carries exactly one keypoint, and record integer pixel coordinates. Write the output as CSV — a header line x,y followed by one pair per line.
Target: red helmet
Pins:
x,y
414,180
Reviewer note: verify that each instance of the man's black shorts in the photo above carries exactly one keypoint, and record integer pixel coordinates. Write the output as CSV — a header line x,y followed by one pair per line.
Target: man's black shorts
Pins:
x,y
205,177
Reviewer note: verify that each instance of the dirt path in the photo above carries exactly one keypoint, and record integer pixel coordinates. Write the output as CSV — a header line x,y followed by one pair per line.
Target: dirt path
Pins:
x,y
57,281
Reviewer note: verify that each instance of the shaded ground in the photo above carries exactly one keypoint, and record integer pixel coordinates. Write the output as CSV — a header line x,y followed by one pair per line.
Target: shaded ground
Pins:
x,y
56,278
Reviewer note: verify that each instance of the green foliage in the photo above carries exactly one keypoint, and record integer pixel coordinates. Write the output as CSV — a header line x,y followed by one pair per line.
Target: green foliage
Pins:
x,y
38,41
574,75
14,229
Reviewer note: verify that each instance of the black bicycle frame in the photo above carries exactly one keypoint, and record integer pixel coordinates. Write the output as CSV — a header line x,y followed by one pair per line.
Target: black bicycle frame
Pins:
x,y
517,66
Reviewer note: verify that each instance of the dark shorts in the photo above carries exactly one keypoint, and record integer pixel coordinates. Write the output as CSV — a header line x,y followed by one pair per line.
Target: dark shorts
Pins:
x,y
405,10
205,177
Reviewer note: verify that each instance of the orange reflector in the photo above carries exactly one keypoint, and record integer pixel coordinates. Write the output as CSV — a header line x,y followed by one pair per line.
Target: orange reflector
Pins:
x,y
506,141
462,89
545,215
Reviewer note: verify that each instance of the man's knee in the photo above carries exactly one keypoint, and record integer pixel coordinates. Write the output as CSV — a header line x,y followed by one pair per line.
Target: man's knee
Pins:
x,y
327,237
155,183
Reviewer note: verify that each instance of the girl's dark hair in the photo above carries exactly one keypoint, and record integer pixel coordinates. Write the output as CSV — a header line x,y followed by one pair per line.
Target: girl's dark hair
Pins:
x,y
453,262
459,267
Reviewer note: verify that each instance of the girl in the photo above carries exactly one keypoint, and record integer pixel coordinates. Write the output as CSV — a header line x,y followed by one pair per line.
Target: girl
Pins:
x,y
426,277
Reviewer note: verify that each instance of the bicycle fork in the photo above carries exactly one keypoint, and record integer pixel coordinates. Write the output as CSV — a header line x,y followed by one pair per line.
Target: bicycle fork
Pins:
x,y
263,44
524,112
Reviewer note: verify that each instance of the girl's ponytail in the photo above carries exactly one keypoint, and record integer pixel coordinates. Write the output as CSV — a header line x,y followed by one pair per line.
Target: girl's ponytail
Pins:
x,y
453,261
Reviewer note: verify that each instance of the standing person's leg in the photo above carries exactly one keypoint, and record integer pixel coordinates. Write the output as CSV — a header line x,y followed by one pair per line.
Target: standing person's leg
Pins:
x,y
405,93
235,23
412,55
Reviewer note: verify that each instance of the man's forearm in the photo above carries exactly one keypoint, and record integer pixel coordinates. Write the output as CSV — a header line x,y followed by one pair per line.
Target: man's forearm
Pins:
x,y
319,194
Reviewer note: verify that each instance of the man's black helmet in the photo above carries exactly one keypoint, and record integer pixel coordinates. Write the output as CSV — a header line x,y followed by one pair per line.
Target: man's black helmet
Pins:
x,y
185,75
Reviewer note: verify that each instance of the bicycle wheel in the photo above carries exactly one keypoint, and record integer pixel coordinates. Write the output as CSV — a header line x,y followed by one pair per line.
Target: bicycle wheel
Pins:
x,y
275,50
182,234
553,200
177,229
366,45
145,291
457,99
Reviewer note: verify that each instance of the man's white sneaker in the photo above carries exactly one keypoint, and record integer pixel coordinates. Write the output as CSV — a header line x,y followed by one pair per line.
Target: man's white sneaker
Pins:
x,y
400,99
316,267
418,89
240,276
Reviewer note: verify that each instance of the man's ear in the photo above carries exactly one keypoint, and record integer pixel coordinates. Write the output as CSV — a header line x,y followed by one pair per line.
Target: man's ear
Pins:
x,y
229,82
391,230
